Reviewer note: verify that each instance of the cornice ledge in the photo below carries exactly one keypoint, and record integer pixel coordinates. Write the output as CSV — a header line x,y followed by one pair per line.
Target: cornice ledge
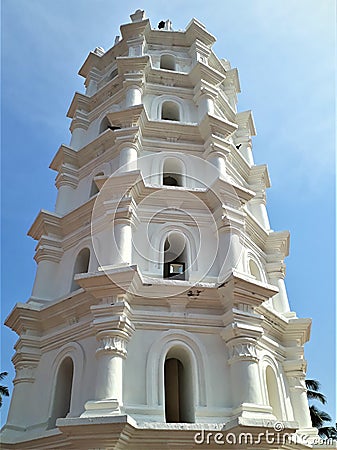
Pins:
x,y
64,155
215,125
132,29
241,192
110,280
46,222
197,30
245,120
255,292
258,174
22,317
278,241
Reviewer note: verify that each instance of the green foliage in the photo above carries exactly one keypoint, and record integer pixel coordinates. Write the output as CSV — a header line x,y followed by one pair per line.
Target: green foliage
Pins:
x,y
318,417
4,392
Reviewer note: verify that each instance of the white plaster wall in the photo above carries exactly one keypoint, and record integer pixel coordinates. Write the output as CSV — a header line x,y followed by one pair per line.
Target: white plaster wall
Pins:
x,y
153,104
64,276
137,399
32,406
182,58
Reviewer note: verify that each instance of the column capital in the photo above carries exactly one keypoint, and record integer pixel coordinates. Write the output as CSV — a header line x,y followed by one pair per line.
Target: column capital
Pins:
x,y
48,249
242,349
276,269
25,373
111,342
79,121
204,89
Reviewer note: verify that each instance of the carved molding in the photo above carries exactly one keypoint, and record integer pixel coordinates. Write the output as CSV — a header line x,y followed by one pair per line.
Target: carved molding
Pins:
x,y
240,351
112,344
25,373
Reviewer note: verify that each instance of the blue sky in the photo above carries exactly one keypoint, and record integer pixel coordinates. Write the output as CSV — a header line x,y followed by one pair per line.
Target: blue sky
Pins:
x,y
284,52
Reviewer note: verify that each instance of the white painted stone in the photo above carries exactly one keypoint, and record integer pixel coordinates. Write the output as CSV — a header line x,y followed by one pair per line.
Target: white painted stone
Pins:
x,y
216,321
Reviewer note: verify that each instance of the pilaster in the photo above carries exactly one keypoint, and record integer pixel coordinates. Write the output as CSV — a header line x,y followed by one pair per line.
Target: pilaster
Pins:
x,y
113,327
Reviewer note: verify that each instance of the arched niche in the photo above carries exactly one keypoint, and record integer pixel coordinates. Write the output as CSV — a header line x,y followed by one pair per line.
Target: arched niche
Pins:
x,y
81,266
173,172
94,189
254,269
160,350
63,391
104,125
175,256
170,110
273,392
178,387
167,62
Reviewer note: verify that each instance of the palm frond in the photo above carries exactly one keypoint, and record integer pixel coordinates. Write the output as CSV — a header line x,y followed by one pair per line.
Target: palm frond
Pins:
x,y
318,417
3,375
313,395
313,385
4,391
328,432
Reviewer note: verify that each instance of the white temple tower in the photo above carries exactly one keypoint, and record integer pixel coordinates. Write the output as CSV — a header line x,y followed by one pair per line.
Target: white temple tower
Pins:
x,y
159,307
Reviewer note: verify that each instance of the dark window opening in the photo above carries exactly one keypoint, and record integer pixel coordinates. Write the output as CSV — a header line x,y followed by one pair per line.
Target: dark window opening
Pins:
x,y
179,407
173,172
81,266
94,189
62,393
167,62
175,257
170,111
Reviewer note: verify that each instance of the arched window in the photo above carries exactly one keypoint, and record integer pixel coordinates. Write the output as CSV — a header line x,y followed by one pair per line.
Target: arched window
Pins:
x,y
254,270
178,383
273,393
62,392
173,170
175,256
94,189
170,111
167,62
113,74
105,124
81,266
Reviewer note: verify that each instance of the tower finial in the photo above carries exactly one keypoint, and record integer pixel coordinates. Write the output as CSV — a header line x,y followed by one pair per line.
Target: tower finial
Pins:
x,y
138,15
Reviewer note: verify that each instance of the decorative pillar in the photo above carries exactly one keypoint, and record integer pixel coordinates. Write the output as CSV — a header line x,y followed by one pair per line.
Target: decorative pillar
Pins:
x,y
230,240
128,158
25,360
242,333
231,86
66,182
78,129
204,97
243,135
133,96
245,377
48,256
77,137
136,46
258,206
245,148
113,331
110,354
276,274
91,82
218,161
122,235
295,373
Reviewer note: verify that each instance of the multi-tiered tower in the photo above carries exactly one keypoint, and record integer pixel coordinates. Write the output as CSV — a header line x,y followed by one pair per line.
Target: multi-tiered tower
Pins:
x,y
159,307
